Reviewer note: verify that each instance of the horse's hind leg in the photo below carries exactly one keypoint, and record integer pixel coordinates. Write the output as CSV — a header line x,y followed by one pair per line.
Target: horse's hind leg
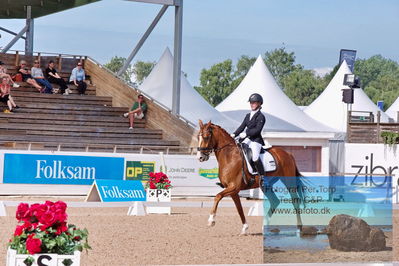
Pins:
x,y
296,202
237,202
226,192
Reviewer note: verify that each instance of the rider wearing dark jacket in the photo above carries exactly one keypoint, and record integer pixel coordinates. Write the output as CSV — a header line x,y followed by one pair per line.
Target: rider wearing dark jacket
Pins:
x,y
254,122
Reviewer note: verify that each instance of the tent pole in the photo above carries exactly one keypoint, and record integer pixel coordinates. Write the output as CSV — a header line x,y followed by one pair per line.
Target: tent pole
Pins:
x,y
177,58
142,40
29,32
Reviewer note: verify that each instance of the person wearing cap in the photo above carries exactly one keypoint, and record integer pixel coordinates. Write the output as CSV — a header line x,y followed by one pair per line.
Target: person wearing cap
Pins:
x,y
251,128
77,78
3,73
138,110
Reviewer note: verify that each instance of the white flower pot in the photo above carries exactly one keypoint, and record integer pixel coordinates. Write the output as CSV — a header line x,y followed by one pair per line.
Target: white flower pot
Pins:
x,y
159,195
14,259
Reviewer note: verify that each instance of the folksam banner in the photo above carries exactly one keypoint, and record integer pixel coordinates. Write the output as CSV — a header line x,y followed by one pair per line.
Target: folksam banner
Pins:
x,y
60,169
120,190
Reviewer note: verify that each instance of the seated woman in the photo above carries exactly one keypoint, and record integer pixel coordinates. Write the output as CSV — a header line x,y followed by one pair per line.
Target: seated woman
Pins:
x,y
53,77
77,78
27,77
37,74
138,110
5,96
3,73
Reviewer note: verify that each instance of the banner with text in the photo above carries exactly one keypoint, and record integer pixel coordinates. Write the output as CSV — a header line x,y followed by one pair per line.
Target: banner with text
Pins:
x,y
188,171
60,169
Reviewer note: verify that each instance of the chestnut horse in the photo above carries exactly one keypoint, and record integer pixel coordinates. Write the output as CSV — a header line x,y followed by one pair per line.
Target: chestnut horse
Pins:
x,y
214,138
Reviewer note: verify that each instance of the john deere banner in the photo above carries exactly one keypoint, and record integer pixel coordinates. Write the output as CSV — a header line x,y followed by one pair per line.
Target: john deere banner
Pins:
x,y
188,171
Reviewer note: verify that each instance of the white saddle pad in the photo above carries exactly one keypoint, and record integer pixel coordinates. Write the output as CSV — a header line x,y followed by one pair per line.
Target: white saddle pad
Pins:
x,y
269,164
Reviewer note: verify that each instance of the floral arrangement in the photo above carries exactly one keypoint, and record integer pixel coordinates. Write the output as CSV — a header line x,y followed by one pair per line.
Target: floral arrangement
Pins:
x,y
43,228
158,181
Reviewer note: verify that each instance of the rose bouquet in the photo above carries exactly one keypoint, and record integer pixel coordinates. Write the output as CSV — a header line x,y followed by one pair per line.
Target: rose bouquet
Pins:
x,y
158,181
43,228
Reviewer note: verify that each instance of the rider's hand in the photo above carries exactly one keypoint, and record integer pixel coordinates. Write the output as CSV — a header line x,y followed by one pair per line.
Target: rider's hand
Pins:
x,y
243,135
232,135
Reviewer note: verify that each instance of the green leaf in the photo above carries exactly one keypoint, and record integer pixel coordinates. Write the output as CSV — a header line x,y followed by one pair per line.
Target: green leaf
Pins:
x,y
29,261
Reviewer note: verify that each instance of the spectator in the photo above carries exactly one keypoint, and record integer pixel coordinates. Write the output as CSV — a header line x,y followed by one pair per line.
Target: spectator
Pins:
x,y
5,96
27,77
138,110
3,73
53,77
37,74
77,78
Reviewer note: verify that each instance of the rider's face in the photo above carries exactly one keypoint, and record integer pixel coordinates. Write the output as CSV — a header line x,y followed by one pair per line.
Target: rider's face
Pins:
x,y
254,105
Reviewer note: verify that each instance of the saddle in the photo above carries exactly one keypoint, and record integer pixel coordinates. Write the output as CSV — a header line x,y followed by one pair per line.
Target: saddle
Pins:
x,y
268,161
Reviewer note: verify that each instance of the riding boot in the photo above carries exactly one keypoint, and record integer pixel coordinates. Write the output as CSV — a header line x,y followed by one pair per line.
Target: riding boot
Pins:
x,y
261,172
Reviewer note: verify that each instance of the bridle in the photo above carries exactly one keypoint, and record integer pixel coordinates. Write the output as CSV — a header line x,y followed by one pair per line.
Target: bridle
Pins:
x,y
207,150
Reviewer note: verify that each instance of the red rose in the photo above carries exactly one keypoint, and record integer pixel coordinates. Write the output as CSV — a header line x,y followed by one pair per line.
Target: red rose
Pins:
x,y
23,213
40,209
60,206
152,185
33,245
61,228
19,230
60,216
48,218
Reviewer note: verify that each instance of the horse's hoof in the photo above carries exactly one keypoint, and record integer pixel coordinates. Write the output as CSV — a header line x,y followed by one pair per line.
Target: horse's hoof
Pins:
x,y
244,230
210,224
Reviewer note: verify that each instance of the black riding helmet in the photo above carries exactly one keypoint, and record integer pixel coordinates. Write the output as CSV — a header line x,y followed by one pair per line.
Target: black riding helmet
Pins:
x,y
255,97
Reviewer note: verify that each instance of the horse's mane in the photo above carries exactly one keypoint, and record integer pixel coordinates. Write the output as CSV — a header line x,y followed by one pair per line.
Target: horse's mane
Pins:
x,y
222,129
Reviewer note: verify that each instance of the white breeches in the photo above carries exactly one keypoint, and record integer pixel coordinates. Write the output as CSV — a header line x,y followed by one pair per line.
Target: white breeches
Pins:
x,y
255,148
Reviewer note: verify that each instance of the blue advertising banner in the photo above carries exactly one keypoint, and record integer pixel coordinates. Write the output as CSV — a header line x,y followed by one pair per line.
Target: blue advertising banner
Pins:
x,y
349,56
120,190
60,169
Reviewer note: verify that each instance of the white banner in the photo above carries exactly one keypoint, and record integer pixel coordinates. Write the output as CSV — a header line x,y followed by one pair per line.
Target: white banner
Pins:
x,y
187,171
376,160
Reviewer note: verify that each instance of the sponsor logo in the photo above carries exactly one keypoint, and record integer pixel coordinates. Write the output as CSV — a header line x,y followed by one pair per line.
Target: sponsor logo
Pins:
x,y
209,173
137,170
364,175
57,170
117,193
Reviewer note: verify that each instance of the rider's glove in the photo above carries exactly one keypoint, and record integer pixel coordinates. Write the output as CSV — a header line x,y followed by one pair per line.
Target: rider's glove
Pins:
x,y
243,135
232,135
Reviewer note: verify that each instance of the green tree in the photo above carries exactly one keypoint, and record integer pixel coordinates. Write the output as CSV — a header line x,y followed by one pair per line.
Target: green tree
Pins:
x,y
243,65
303,86
117,63
141,70
281,63
215,83
384,88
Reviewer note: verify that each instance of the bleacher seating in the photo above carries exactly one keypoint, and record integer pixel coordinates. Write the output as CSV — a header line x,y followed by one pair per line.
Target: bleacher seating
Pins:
x,y
74,123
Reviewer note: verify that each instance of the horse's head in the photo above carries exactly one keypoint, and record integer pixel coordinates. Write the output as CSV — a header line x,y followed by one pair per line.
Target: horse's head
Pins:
x,y
205,141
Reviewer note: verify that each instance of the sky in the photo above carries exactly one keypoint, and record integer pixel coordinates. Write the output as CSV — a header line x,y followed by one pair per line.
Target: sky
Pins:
x,y
216,30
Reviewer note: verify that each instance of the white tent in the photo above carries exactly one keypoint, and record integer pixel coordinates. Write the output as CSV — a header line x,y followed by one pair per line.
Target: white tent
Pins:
x,y
159,85
329,109
282,115
393,110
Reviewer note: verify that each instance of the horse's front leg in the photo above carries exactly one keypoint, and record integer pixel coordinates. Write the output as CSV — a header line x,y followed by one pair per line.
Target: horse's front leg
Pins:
x,y
237,202
226,192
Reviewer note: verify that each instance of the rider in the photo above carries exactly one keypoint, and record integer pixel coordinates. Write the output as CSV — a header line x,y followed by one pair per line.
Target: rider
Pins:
x,y
253,122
